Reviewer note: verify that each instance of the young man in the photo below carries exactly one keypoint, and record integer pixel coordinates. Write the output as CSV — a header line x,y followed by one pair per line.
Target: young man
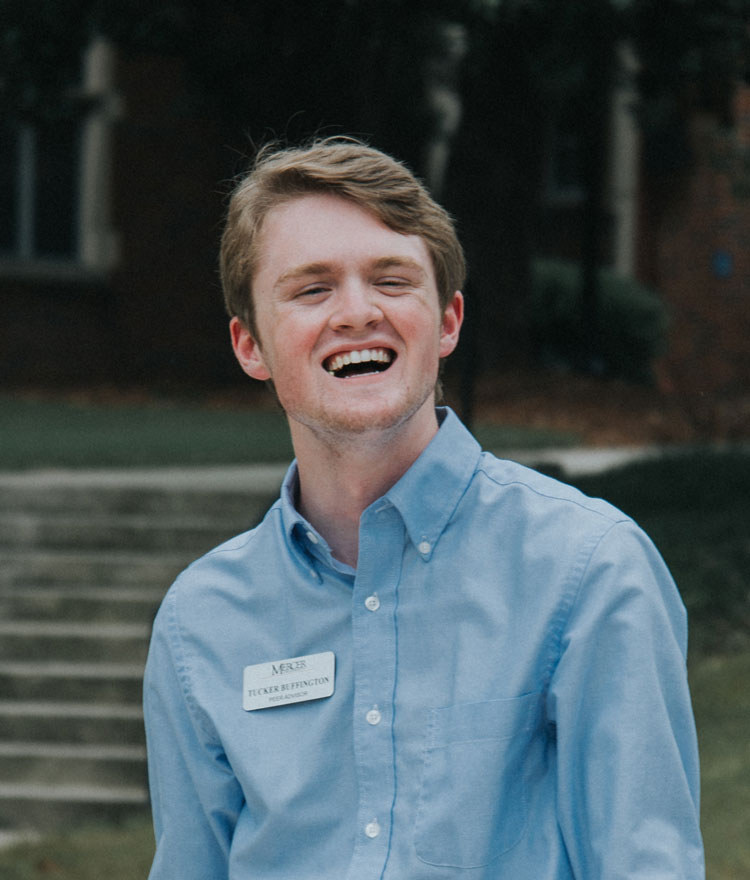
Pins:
x,y
425,662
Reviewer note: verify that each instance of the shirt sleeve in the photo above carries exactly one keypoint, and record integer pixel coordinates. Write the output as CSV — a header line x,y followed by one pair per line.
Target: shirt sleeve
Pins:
x,y
195,798
628,781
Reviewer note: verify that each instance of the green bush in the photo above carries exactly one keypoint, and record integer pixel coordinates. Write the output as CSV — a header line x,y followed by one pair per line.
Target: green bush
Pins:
x,y
632,320
695,506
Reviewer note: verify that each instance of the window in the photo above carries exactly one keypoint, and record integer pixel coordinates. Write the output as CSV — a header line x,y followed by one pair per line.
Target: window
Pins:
x,y
54,212
565,162
40,177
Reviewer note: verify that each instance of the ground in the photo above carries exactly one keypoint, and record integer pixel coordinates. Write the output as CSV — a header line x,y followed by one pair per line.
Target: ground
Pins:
x,y
606,412
596,411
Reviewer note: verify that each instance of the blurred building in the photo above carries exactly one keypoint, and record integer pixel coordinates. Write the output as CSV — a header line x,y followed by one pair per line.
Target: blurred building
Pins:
x,y
109,229
694,247
684,231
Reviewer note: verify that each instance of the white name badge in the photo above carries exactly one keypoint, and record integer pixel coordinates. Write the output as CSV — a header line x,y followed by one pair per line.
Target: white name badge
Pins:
x,y
288,681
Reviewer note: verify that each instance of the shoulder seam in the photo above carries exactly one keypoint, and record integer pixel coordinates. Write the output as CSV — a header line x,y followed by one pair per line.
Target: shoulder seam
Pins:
x,y
590,508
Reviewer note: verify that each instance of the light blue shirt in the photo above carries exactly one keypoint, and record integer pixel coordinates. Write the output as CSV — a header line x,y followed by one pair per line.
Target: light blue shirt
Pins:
x,y
510,692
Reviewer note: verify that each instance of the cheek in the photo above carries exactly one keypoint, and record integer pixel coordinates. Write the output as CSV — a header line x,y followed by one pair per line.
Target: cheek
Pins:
x,y
293,346
419,323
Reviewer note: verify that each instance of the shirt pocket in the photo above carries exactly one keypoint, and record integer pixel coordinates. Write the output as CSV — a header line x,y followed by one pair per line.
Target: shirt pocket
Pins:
x,y
472,802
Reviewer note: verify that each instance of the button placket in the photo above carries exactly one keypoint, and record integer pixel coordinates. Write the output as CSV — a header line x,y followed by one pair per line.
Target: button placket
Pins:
x,y
374,637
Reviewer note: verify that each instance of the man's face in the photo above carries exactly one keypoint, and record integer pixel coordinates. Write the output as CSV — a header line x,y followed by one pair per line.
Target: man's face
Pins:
x,y
348,322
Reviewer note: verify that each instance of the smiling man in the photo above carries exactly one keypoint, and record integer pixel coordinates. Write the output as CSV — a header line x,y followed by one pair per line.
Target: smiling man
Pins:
x,y
425,662
350,328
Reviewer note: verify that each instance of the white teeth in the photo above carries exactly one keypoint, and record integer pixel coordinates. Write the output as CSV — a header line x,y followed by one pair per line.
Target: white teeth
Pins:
x,y
379,355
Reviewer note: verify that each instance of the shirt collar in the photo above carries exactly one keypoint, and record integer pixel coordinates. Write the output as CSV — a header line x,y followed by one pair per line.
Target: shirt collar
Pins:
x,y
425,496
430,490
301,537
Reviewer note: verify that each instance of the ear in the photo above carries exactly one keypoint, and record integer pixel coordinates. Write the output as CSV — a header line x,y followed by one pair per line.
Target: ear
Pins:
x,y
450,327
247,351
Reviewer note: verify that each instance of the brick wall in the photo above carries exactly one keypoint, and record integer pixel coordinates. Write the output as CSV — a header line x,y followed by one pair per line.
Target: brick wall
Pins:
x,y
168,204
696,251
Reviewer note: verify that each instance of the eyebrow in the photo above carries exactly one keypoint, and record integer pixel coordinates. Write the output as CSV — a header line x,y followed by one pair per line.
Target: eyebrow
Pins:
x,y
317,269
302,272
399,262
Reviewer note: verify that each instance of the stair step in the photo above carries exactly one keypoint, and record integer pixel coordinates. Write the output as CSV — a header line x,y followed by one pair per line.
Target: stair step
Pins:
x,y
72,751
79,603
40,640
39,567
69,629
77,682
51,709
85,560
111,532
242,492
41,807
85,793
51,722
72,764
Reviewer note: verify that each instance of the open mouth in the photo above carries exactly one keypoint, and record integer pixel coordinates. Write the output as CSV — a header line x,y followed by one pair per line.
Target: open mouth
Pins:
x,y
359,363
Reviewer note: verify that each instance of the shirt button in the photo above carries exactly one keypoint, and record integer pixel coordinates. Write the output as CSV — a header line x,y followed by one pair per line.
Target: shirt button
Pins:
x,y
312,537
372,829
372,603
373,717
424,547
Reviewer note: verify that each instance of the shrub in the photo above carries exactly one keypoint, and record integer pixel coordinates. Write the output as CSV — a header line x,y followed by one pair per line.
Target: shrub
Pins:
x,y
632,320
695,506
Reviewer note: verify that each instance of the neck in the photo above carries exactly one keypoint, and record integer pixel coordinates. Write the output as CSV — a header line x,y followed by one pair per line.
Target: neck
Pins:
x,y
340,477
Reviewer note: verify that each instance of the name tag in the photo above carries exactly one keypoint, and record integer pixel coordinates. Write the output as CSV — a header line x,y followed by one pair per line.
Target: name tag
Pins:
x,y
281,682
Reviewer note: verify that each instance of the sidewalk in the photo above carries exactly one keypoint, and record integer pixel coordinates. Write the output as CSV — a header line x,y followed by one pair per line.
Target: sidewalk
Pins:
x,y
572,462
579,461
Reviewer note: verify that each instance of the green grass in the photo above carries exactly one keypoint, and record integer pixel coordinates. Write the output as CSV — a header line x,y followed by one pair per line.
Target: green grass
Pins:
x,y
696,508
721,697
47,433
123,853
42,433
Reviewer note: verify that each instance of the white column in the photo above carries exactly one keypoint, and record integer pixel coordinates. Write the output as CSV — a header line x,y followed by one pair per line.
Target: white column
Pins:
x,y
625,147
97,238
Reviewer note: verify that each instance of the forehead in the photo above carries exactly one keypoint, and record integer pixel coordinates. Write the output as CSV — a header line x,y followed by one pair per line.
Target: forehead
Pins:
x,y
326,228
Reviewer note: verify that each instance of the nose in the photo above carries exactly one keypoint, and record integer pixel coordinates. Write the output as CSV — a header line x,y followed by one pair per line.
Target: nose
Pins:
x,y
355,307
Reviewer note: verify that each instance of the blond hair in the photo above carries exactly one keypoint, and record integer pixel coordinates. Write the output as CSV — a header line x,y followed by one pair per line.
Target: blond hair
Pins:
x,y
347,168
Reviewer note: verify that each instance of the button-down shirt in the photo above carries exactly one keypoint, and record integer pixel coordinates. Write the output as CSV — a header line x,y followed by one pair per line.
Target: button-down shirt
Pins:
x,y
510,695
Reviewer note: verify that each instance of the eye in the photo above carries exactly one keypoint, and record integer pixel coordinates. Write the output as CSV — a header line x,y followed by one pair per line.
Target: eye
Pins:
x,y
312,291
394,284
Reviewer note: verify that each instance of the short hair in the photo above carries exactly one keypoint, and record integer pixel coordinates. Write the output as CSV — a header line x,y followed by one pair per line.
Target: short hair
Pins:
x,y
347,168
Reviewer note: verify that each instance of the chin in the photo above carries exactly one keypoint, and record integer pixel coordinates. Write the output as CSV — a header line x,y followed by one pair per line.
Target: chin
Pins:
x,y
367,416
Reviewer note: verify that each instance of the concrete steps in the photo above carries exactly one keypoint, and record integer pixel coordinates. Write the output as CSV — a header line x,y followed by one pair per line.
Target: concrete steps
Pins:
x,y
108,531
35,567
71,723
28,806
84,562
98,682
50,764
68,602
33,640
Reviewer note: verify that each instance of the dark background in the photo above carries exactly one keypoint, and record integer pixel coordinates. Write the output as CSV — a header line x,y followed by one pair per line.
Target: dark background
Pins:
x,y
505,109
